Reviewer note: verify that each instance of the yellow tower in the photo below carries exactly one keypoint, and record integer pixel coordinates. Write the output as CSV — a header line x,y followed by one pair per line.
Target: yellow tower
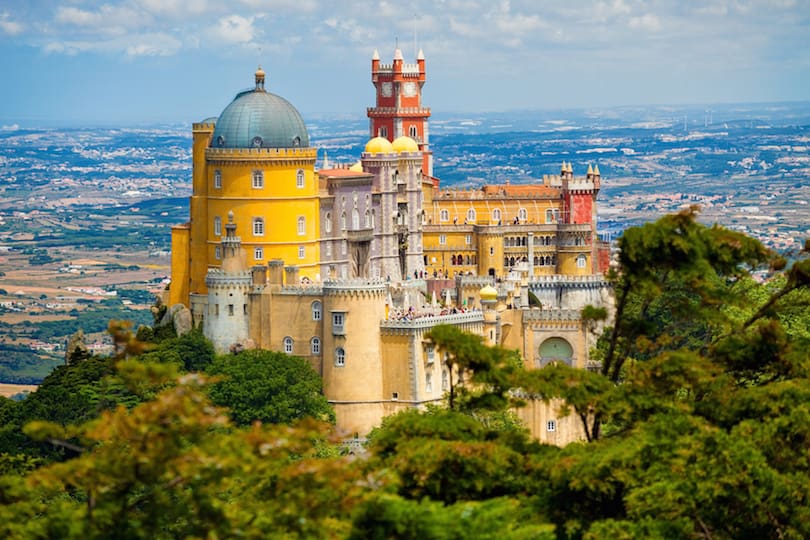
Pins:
x,y
255,161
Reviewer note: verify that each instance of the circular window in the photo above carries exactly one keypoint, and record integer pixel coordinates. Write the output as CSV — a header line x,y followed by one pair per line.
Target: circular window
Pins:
x,y
257,142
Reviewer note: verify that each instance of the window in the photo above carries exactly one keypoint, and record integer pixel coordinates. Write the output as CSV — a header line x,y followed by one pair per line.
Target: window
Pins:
x,y
429,383
301,252
299,178
340,357
230,310
327,222
445,380
491,250
384,132
581,261
302,226
468,239
315,345
551,425
355,219
217,252
471,215
258,226
368,219
217,179
258,253
373,219
444,215
523,215
329,249
343,221
258,179
317,308
288,345
338,320
549,216
412,132
430,354
217,226
442,239
496,216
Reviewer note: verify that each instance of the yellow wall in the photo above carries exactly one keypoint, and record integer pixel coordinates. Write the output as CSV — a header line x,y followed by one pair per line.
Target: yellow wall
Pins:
x,y
279,202
178,290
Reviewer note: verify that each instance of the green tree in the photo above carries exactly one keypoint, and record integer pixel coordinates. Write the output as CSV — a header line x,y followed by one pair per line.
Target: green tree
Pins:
x,y
268,386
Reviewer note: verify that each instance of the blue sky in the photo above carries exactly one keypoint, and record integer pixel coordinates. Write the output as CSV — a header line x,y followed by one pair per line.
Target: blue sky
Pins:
x,y
131,62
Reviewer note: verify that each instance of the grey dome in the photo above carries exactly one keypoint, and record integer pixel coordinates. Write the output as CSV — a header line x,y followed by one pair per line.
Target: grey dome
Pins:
x,y
256,118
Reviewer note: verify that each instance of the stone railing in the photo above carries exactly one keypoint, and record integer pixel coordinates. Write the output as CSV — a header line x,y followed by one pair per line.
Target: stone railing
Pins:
x,y
429,321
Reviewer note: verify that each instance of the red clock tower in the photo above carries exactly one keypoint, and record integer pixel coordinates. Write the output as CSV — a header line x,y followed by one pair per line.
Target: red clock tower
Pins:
x,y
399,108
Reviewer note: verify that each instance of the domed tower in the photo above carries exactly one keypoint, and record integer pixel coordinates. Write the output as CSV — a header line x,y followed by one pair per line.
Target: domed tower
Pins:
x,y
254,160
227,319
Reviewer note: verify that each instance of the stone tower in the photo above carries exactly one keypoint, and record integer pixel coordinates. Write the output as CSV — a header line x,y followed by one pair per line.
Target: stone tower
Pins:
x,y
227,322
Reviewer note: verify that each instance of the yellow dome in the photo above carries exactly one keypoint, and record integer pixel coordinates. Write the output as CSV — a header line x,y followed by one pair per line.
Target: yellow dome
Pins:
x,y
488,293
405,144
357,167
379,145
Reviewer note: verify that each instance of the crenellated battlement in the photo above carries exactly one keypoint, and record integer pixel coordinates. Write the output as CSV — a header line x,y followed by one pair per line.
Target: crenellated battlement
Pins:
x,y
234,154
423,323
558,280
355,287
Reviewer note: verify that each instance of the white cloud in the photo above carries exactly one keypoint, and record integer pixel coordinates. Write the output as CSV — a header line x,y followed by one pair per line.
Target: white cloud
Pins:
x,y
8,26
153,45
647,22
235,29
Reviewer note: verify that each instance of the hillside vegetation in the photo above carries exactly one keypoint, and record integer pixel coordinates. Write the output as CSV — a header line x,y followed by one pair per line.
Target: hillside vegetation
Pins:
x,y
697,423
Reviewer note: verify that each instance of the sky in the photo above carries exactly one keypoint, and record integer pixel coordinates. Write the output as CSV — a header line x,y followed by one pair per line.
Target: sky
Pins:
x,y
140,62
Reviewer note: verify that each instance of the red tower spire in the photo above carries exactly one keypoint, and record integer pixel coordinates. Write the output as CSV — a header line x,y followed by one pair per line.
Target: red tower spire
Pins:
x,y
399,109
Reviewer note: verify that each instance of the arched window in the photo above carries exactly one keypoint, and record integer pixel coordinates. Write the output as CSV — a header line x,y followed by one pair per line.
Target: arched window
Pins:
x,y
315,345
288,345
429,383
217,179
471,215
582,261
578,241
258,179
258,226
355,219
453,260
317,309
343,221
412,132
340,357
496,216
445,380
522,214
217,226
555,350
373,219
548,261
299,178
302,226
549,216
540,261
444,215
368,219
327,222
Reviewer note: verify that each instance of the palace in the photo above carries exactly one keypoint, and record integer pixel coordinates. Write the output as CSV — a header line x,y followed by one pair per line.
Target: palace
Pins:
x,y
349,267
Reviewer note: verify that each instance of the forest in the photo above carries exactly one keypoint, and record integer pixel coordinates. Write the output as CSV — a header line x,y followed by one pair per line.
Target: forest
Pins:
x,y
696,425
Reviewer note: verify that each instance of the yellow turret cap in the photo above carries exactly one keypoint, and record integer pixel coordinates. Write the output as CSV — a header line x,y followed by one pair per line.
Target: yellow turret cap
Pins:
x,y
488,293
405,144
379,145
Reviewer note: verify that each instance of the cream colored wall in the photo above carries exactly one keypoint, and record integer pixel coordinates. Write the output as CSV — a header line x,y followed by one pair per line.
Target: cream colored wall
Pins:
x,y
395,366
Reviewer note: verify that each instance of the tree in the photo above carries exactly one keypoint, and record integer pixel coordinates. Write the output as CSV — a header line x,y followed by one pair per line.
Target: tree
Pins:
x,y
269,387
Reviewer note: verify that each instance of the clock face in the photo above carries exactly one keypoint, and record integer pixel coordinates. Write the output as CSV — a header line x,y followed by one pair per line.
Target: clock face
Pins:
x,y
409,89
385,89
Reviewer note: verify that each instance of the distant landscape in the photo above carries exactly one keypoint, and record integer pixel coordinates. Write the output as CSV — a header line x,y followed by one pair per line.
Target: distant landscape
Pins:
x,y
85,212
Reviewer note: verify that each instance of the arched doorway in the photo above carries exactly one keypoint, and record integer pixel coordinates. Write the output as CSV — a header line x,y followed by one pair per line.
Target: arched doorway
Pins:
x,y
555,349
